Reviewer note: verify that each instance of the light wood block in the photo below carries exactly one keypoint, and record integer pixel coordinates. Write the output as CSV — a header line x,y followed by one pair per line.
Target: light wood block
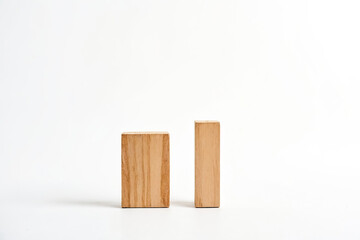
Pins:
x,y
145,168
207,164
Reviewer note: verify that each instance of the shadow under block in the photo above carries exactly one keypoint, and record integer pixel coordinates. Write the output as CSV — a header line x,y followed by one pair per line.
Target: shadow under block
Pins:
x,y
145,165
207,164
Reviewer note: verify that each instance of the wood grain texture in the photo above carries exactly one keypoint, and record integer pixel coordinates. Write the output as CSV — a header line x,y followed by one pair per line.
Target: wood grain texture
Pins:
x,y
207,164
145,168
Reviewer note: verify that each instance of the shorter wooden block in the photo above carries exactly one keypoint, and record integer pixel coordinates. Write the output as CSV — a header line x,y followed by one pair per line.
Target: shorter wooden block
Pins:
x,y
145,168
207,164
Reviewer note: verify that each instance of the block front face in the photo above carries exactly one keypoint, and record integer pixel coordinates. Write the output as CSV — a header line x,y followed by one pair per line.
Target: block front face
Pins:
x,y
207,164
145,169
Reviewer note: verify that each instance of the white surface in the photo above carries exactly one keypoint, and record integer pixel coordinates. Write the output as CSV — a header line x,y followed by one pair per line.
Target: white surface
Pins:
x,y
281,76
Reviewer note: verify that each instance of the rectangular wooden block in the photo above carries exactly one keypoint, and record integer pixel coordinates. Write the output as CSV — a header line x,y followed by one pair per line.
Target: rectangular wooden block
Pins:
x,y
207,164
145,169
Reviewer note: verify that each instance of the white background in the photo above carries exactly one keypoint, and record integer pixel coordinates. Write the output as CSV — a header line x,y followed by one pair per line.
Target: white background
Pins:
x,y
281,76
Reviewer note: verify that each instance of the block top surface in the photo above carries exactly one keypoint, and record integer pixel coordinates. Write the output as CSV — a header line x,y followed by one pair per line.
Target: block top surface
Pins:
x,y
206,121
144,133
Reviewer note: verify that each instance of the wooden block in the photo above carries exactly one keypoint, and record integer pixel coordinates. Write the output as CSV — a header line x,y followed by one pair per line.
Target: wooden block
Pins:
x,y
145,165
207,164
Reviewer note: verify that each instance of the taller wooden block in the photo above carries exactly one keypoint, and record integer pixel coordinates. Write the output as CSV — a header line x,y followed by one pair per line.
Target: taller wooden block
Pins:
x,y
207,164
145,163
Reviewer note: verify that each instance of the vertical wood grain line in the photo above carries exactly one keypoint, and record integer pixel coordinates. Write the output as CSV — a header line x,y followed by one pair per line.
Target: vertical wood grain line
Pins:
x,y
125,195
148,173
165,173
